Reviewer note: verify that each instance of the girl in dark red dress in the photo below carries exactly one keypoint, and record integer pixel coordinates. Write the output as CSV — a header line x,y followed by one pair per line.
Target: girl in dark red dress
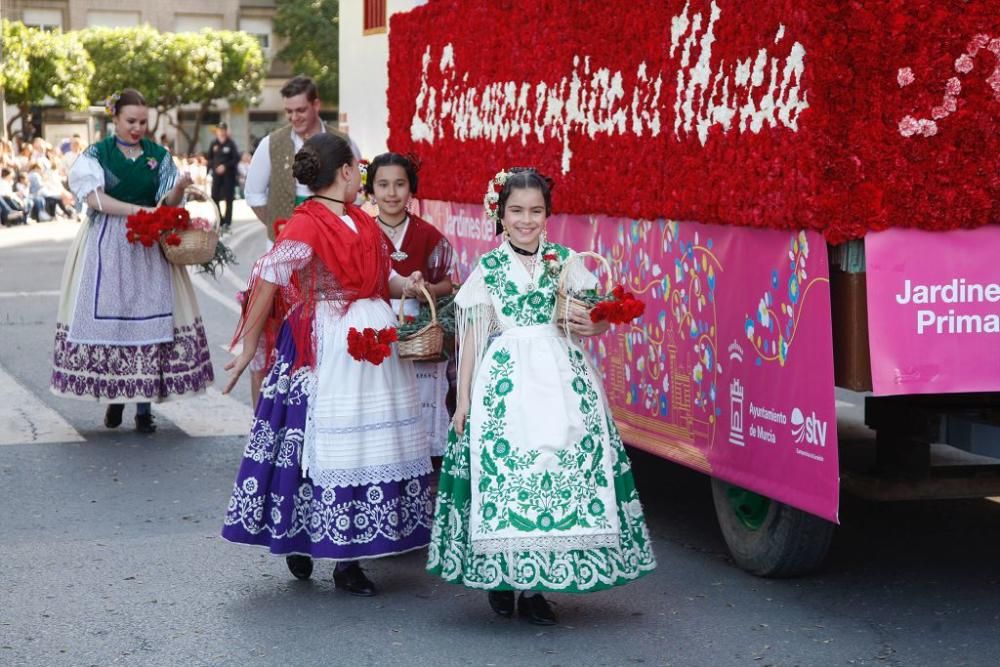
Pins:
x,y
416,245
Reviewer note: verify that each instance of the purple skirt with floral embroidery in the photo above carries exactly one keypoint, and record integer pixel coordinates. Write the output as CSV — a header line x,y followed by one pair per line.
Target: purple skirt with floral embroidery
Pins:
x,y
274,505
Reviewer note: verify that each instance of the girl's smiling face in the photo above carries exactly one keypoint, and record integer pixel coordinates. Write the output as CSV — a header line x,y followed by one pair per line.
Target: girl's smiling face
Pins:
x,y
524,217
131,122
391,190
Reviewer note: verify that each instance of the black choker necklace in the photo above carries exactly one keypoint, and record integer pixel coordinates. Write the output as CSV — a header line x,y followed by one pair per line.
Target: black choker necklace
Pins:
x,y
399,224
522,251
337,201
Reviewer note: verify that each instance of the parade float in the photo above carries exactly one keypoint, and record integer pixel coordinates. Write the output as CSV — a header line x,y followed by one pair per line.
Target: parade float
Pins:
x,y
804,194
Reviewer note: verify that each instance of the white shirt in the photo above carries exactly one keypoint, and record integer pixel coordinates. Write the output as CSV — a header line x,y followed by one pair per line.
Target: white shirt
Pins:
x,y
258,178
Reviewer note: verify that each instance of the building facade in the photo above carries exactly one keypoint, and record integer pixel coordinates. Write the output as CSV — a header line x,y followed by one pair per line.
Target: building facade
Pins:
x,y
247,125
364,74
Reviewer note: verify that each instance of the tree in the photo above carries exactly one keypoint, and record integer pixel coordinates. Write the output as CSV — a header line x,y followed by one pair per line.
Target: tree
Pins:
x,y
311,28
175,69
43,67
126,58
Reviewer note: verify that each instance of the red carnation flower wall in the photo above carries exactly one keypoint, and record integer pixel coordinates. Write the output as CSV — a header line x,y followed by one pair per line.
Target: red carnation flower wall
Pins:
x,y
828,115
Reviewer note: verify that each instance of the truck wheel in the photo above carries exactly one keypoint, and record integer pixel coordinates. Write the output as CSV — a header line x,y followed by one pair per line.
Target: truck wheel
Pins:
x,y
768,538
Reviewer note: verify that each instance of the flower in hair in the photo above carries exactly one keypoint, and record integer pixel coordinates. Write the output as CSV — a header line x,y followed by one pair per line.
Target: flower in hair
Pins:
x,y
111,102
363,168
491,202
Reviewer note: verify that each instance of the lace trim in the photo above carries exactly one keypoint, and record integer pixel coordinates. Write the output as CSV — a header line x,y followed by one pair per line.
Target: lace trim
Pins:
x,y
380,474
284,259
555,543
369,427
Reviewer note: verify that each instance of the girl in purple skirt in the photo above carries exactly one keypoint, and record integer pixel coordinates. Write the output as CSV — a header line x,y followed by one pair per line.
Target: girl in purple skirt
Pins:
x,y
337,464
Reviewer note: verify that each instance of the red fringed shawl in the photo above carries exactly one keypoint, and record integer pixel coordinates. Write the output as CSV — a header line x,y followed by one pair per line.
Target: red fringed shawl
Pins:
x,y
346,266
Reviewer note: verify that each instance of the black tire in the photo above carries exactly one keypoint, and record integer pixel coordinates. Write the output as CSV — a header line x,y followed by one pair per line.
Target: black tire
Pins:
x,y
787,543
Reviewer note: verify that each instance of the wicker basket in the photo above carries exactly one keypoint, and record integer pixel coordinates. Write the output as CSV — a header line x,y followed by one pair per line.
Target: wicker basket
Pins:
x,y
197,246
427,344
566,304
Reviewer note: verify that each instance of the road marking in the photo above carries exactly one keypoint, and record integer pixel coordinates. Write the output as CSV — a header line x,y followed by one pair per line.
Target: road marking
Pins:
x,y
19,295
26,420
203,284
211,414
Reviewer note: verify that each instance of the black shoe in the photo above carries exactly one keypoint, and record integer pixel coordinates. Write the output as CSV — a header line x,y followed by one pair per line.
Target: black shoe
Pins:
x,y
300,566
144,424
535,610
502,602
354,581
113,415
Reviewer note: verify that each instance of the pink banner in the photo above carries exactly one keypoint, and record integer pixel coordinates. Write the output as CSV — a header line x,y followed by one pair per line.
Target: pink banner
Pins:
x,y
731,369
934,310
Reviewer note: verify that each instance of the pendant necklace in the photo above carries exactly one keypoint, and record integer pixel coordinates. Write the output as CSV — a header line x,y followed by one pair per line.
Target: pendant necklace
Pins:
x,y
392,230
529,267
128,149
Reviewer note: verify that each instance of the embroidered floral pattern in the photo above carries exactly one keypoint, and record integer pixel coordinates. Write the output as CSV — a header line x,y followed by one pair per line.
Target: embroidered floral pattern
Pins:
x,y
273,504
125,372
451,557
528,308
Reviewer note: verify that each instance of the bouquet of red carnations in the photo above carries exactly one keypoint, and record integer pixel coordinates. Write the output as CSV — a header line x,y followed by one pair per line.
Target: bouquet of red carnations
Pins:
x,y
146,227
622,307
371,345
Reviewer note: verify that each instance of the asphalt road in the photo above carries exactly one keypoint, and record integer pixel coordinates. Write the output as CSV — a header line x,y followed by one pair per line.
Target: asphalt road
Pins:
x,y
110,555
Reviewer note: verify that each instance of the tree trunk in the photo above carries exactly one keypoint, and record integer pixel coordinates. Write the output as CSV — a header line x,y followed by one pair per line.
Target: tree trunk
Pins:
x,y
10,125
199,119
177,126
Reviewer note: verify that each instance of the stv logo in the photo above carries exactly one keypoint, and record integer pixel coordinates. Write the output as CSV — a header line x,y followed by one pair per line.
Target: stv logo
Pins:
x,y
811,428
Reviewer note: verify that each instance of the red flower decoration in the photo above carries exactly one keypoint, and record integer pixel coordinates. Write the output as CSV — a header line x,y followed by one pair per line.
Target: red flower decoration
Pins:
x,y
146,227
371,345
622,308
888,119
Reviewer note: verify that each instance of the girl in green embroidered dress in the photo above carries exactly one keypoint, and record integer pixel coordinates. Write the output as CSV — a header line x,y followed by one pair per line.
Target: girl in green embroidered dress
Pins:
x,y
536,491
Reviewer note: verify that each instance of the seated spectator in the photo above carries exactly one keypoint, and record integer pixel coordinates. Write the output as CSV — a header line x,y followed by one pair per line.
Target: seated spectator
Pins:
x,y
57,197
11,205
29,188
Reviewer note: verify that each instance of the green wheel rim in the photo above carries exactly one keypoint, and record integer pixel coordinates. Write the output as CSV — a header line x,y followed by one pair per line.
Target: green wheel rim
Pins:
x,y
750,508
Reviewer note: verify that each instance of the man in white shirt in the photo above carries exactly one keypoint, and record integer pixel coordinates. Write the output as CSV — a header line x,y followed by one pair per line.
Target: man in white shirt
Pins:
x,y
270,189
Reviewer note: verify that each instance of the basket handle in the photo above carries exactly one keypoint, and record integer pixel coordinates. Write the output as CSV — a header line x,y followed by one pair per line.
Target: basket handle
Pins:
x,y
608,284
434,315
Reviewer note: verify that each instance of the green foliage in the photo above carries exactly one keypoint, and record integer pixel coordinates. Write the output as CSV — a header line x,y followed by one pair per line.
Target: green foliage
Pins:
x,y
311,28
39,65
127,58
243,67
171,69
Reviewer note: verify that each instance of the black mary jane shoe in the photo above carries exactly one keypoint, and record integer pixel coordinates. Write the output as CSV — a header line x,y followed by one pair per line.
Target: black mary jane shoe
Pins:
x,y
113,415
300,566
535,609
144,424
354,581
502,602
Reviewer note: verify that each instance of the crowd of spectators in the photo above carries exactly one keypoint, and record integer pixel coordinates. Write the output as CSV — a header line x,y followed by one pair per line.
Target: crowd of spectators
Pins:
x,y
34,179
